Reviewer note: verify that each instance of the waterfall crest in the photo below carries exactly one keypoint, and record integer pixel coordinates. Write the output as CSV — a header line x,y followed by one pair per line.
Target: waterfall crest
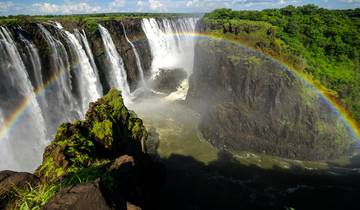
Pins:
x,y
170,43
116,75
88,81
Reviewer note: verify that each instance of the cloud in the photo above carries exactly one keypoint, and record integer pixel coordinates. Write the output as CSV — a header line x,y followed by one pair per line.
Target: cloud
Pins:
x,y
117,3
140,3
68,7
350,1
87,6
6,6
157,5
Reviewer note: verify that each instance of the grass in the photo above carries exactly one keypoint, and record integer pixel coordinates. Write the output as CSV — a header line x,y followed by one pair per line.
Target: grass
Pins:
x,y
34,198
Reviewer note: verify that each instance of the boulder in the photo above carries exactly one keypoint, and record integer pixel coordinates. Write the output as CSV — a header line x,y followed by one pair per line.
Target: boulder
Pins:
x,y
169,80
12,182
79,197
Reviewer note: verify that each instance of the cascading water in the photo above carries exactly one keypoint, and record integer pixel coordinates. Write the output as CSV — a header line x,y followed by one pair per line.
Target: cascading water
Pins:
x,y
137,57
83,39
170,45
24,150
116,74
64,105
32,55
88,81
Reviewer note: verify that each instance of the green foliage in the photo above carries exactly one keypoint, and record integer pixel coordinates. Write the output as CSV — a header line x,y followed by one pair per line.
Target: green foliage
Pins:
x,y
324,43
104,132
108,130
35,197
84,175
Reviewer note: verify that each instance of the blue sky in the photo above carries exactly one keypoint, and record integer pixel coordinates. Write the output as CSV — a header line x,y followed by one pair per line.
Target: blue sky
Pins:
x,y
12,7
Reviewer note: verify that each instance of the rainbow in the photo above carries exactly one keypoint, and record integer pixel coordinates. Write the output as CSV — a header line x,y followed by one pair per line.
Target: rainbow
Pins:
x,y
11,120
350,124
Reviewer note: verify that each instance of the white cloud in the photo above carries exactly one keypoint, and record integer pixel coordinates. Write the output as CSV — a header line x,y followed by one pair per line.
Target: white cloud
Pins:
x,y
140,3
6,5
350,1
69,7
189,3
157,5
118,3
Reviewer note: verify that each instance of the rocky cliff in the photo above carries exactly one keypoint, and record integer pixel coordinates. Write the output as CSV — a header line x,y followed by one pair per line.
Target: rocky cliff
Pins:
x,y
249,102
133,29
99,162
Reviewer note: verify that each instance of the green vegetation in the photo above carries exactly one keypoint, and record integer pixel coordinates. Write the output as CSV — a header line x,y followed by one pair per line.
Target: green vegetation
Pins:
x,y
35,197
108,131
323,43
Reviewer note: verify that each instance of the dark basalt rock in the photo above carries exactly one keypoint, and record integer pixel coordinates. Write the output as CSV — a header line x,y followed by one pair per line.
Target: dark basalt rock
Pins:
x,y
11,182
169,80
79,197
249,102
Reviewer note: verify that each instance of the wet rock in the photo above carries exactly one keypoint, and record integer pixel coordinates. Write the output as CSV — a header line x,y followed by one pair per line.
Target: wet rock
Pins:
x,y
250,102
169,80
11,182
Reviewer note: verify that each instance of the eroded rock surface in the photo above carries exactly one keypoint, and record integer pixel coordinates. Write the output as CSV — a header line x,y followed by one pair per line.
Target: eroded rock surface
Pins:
x,y
249,102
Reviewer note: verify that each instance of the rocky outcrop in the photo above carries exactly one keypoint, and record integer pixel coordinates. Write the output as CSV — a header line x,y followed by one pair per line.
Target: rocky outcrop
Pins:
x,y
168,80
103,160
108,131
249,102
83,196
10,183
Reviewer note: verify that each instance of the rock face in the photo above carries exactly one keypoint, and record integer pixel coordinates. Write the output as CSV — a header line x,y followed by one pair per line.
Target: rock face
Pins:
x,y
138,38
169,80
133,30
83,196
11,182
249,102
107,152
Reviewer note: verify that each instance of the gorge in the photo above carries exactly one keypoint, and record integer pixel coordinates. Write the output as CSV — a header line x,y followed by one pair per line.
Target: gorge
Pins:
x,y
233,114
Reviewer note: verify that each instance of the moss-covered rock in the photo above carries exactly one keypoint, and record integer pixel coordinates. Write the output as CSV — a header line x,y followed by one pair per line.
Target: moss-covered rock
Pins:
x,y
108,131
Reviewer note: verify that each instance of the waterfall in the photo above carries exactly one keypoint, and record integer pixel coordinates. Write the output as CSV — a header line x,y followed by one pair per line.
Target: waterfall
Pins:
x,y
83,39
34,59
137,57
88,81
63,102
171,42
116,74
24,151
34,68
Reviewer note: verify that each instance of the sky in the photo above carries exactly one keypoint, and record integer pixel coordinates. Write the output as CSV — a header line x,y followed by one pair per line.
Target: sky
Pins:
x,y
42,7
